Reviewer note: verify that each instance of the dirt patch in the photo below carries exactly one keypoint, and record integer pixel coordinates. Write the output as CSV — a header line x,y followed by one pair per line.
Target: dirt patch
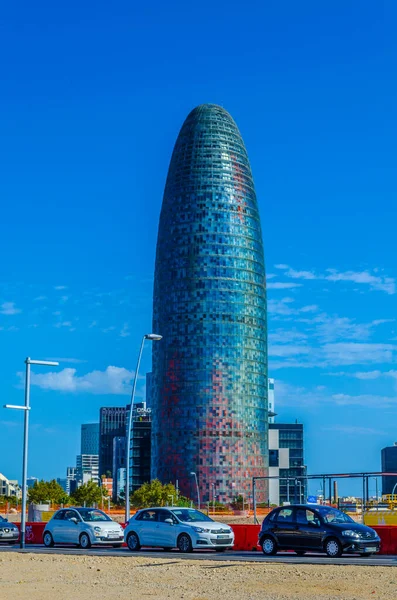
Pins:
x,y
49,577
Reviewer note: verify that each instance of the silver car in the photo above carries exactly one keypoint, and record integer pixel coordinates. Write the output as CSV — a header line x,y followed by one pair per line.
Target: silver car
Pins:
x,y
83,527
8,532
176,527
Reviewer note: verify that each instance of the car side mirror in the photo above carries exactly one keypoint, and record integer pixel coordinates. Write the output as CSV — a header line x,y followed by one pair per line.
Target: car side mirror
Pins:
x,y
74,519
169,521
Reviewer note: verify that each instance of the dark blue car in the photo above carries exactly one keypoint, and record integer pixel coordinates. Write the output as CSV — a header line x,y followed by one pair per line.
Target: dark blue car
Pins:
x,y
307,528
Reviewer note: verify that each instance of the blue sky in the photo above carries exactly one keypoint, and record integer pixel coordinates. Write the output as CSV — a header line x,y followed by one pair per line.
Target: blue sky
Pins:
x,y
92,98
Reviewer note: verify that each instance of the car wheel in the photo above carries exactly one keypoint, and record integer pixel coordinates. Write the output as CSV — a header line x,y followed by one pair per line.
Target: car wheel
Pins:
x,y
366,554
269,546
117,545
184,543
133,542
333,548
85,541
47,539
300,552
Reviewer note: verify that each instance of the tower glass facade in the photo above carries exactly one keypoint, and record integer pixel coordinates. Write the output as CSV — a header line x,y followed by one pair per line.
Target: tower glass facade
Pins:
x,y
112,423
209,395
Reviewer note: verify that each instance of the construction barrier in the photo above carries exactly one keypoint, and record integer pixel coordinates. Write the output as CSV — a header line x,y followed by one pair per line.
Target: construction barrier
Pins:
x,y
246,536
33,532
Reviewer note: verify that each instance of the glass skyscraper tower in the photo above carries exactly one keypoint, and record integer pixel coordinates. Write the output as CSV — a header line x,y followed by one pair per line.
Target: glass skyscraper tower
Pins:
x,y
209,395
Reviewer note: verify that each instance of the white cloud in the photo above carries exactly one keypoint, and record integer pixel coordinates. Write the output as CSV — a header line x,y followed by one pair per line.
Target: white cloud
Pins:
x,y
290,395
63,324
61,360
60,287
289,272
353,430
350,353
9,308
279,285
366,375
375,282
125,331
288,350
368,400
284,336
40,298
114,380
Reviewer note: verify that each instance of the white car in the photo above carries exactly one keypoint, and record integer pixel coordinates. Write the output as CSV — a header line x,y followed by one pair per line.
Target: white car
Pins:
x,y
83,527
176,527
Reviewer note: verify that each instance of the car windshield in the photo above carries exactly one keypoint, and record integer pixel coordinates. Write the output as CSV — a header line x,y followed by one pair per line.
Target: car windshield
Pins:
x,y
91,514
331,515
190,515
1,519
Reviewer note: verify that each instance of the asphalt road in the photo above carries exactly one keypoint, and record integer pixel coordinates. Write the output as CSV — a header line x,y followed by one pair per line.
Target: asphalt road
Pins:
x,y
234,556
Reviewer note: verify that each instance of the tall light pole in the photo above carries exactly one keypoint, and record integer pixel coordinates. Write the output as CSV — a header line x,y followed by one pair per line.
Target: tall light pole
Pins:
x,y
26,409
154,337
197,487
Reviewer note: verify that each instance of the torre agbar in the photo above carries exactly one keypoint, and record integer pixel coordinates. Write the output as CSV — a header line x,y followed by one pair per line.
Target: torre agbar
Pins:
x,y
209,403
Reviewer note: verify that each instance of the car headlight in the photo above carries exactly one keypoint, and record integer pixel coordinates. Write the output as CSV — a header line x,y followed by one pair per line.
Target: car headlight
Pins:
x,y
200,529
98,529
350,533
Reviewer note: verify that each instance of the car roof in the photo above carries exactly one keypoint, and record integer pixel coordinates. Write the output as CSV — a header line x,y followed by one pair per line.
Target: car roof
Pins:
x,y
303,506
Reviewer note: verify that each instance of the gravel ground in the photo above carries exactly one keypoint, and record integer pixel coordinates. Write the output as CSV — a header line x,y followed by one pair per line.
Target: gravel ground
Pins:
x,y
34,577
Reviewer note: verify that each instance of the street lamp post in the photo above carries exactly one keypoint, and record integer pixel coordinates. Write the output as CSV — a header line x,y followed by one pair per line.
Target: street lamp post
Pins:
x,y
154,337
26,409
197,487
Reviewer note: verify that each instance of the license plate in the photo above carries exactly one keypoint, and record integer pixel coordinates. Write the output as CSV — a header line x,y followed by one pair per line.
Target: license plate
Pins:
x,y
113,535
222,537
370,549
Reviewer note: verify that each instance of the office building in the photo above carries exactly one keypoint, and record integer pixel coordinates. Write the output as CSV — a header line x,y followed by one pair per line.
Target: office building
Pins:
x,y
270,392
30,481
389,465
286,460
140,449
149,389
209,392
119,462
9,487
63,482
87,468
120,483
90,438
71,480
112,423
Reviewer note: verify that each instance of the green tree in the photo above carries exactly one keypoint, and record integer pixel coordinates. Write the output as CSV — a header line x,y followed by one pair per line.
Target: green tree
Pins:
x,y
46,491
153,494
89,493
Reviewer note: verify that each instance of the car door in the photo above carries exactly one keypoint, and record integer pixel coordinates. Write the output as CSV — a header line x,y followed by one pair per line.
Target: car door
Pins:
x,y
71,529
165,532
55,526
285,527
309,529
146,527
